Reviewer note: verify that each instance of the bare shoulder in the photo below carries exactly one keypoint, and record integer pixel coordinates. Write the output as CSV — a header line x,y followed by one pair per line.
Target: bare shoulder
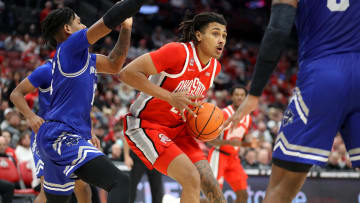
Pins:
x,y
290,2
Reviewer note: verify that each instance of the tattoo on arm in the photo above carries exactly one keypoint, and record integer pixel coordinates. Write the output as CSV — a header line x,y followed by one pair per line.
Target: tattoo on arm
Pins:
x,y
119,52
209,186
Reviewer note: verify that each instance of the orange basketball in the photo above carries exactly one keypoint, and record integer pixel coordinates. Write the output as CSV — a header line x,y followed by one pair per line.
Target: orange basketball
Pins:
x,y
205,126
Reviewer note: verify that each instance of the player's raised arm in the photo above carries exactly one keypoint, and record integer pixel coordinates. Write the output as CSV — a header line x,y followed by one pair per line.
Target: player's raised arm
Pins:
x,y
115,60
281,22
112,18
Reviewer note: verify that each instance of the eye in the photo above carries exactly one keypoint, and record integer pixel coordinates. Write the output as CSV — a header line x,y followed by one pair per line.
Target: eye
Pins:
x,y
215,34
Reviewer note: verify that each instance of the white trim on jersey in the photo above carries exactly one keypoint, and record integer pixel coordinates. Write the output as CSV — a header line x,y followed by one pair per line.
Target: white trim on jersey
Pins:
x,y
197,61
72,75
45,90
184,68
140,102
227,112
213,74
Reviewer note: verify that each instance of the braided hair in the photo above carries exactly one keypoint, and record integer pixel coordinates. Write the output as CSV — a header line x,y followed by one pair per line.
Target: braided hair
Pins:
x,y
189,26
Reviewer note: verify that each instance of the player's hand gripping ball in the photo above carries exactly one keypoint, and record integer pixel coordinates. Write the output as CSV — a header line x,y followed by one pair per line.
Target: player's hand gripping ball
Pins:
x,y
206,125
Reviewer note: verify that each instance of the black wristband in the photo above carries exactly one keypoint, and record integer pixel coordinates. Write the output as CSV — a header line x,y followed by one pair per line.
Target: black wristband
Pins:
x,y
121,11
274,41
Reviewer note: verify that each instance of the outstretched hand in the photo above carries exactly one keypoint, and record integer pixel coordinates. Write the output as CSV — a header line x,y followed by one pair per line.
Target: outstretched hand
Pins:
x,y
250,104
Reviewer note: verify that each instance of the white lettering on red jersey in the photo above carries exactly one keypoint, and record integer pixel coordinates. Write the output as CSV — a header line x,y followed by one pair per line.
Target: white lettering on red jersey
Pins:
x,y
238,133
194,79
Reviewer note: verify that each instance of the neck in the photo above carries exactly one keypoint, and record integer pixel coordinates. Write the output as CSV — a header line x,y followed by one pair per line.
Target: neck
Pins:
x,y
235,107
204,59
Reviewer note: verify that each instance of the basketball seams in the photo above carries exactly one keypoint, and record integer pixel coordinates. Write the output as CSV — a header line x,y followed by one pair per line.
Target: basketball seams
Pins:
x,y
207,122
215,129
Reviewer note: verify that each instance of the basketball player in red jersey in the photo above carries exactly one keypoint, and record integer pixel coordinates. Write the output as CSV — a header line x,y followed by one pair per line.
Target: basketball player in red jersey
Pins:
x,y
169,79
224,156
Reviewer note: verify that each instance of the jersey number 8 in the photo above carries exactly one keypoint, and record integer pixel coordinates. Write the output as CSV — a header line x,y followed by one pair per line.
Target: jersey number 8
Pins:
x,y
336,5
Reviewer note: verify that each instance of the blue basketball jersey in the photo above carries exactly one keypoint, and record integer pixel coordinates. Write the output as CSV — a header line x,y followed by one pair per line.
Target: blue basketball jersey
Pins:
x,y
73,84
327,27
41,78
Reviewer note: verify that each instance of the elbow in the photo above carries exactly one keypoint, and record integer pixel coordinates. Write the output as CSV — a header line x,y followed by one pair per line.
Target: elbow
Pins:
x,y
13,96
123,75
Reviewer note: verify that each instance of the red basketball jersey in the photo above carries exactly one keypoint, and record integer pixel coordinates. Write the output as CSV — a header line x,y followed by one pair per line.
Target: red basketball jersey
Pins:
x,y
237,133
179,69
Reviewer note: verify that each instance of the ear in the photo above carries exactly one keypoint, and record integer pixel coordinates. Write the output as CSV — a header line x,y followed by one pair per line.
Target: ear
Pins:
x,y
67,29
198,36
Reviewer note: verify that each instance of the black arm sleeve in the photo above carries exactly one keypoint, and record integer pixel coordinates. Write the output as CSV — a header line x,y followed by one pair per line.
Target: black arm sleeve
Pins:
x,y
120,11
274,41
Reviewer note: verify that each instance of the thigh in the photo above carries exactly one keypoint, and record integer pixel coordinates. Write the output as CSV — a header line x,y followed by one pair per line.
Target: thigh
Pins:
x,y
151,144
235,175
189,146
314,115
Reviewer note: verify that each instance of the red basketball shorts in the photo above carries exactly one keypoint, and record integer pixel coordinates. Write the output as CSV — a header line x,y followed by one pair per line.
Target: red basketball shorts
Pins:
x,y
157,145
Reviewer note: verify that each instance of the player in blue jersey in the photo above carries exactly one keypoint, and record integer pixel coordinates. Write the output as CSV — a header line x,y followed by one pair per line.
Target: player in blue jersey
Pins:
x,y
62,138
41,78
326,98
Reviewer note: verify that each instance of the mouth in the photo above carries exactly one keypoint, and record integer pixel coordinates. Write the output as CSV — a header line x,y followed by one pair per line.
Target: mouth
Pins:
x,y
219,50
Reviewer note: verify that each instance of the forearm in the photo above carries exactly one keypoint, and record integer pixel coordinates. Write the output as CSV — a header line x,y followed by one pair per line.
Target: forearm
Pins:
x,y
219,142
126,149
274,41
19,101
121,11
119,52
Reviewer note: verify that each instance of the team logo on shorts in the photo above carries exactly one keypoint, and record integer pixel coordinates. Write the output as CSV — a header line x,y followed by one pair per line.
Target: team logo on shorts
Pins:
x,y
164,138
288,117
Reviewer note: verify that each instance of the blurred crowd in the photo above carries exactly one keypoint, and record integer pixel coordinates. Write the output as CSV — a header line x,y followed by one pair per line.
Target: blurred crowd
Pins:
x,y
22,49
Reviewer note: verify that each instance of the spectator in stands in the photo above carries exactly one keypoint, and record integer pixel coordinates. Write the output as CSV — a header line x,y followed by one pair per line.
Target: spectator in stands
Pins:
x,y
6,135
13,43
12,124
23,151
263,159
6,188
45,12
333,162
250,159
116,152
262,133
158,37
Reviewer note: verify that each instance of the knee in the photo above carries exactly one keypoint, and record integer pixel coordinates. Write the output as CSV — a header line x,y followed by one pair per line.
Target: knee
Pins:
x,y
119,179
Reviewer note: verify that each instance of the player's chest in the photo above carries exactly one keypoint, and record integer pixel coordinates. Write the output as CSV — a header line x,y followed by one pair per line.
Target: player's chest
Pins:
x,y
193,82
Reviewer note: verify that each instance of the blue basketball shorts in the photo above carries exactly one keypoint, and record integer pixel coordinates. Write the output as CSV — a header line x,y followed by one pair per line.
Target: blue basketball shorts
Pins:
x,y
326,101
62,152
39,164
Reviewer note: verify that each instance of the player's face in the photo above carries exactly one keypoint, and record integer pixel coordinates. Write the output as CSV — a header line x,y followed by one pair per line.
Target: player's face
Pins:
x,y
75,25
213,39
238,96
